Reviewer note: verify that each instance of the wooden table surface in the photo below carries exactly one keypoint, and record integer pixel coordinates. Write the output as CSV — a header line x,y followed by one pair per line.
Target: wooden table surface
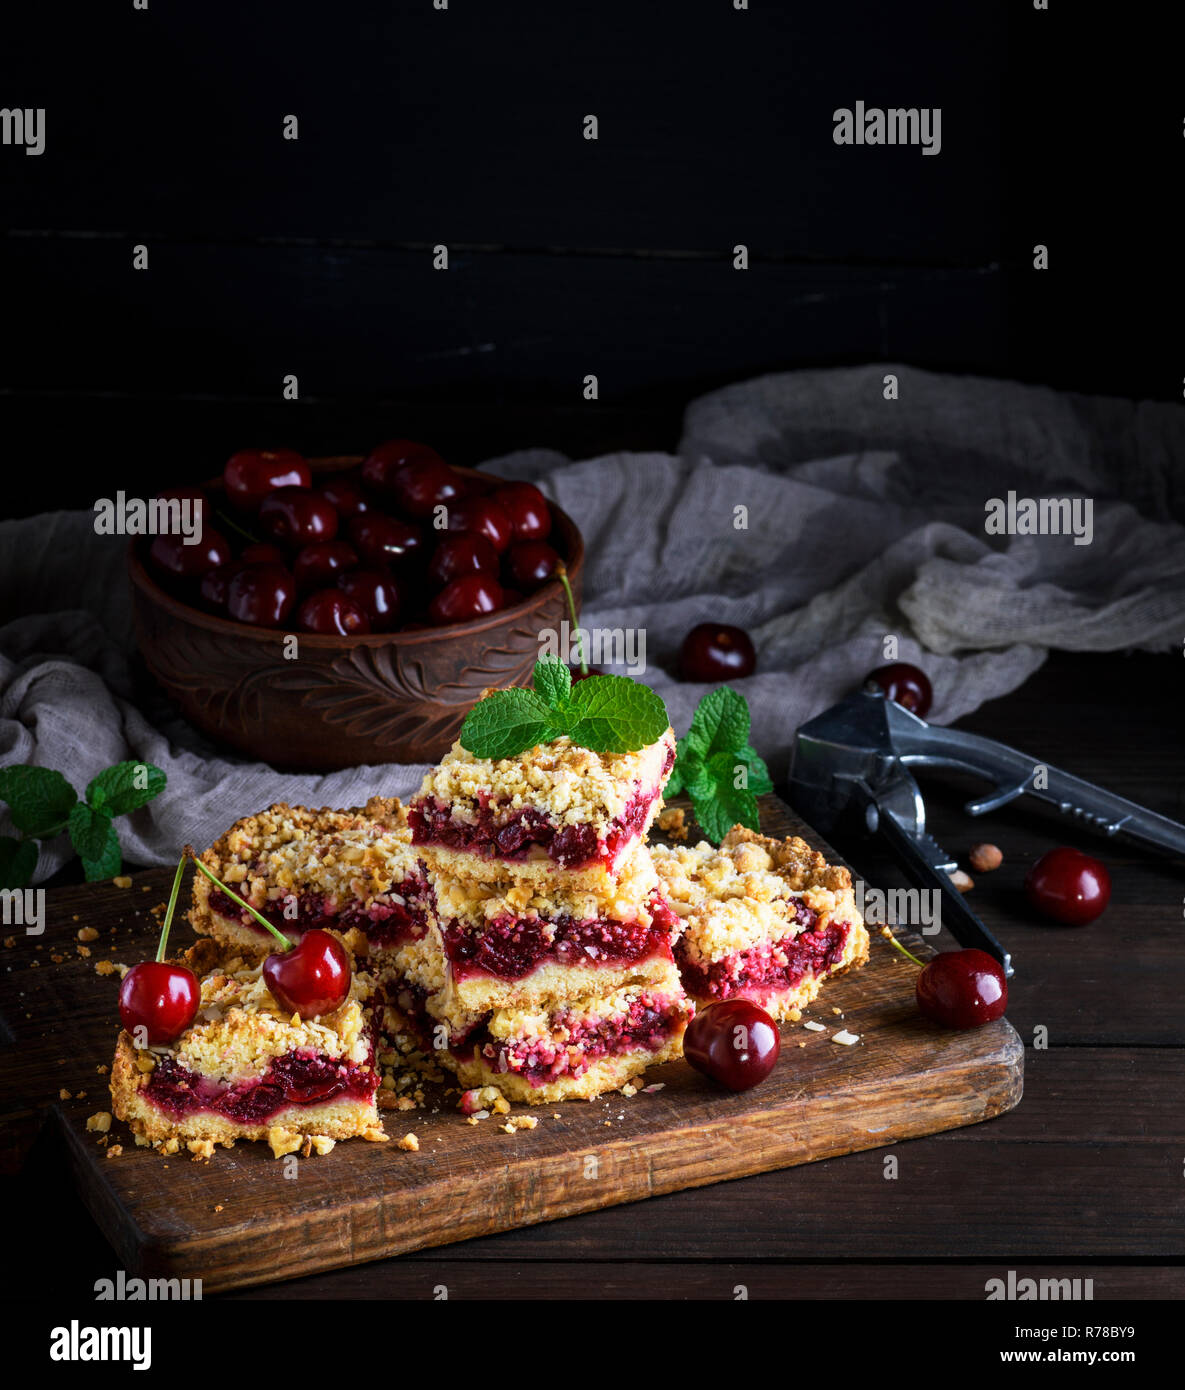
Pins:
x,y
1083,1178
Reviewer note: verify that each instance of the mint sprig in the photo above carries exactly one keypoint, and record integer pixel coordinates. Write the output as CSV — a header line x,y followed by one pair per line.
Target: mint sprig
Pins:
x,y
606,714
718,768
43,805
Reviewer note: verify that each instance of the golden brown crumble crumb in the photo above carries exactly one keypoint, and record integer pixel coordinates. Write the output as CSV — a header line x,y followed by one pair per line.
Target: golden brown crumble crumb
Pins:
x,y
122,881
63,1094
88,934
106,967
115,1150
282,1141
202,1149
673,822
410,1143
100,1122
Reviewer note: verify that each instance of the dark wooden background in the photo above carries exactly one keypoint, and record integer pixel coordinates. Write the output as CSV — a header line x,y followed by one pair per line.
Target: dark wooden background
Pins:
x,y
464,127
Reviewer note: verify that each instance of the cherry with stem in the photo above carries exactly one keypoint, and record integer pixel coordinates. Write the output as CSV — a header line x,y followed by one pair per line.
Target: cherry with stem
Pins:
x,y
159,999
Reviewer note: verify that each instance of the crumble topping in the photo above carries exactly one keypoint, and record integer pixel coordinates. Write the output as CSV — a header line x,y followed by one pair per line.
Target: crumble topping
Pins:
x,y
570,784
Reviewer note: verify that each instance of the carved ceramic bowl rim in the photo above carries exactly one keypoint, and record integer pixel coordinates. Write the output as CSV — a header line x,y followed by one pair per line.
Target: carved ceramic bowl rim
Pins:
x,y
573,541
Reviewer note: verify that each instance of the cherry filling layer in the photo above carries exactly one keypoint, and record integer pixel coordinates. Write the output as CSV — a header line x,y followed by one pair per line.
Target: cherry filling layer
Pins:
x,y
386,921
648,1023
495,836
304,1077
773,966
510,948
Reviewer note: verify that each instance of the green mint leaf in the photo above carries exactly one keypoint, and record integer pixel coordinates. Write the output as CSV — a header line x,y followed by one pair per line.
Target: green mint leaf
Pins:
x,y
720,722
88,830
506,723
728,807
613,714
125,787
107,863
18,860
735,770
553,681
760,782
39,799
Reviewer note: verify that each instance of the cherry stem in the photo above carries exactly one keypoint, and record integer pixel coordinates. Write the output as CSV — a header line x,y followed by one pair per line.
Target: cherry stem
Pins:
x,y
562,575
246,906
888,935
168,922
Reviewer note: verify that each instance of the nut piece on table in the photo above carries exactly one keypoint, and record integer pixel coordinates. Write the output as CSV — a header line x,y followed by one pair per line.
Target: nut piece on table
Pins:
x,y
963,882
984,858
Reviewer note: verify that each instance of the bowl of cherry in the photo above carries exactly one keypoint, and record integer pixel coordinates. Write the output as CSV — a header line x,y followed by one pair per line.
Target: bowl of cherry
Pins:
x,y
350,610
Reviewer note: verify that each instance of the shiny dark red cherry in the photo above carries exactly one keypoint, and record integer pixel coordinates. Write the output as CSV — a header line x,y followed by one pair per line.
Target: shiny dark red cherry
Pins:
x,y
251,474
734,1042
385,540
461,553
216,582
908,685
962,989
297,516
159,997
262,595
378,594
311,979
579,675
413,476
530,564
321,564
1069,886
344,494
467,597
716,652
333,613
483,517
527,509
262,553
173,558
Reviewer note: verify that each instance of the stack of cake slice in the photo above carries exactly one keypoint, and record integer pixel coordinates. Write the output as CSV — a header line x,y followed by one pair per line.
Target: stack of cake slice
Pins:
x,y
555,976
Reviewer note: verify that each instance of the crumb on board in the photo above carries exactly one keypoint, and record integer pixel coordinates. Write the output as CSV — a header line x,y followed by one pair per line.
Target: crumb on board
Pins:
x,y
410,1143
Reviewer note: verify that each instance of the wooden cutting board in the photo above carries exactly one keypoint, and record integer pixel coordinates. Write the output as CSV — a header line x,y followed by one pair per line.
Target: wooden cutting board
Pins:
x,y
237,1220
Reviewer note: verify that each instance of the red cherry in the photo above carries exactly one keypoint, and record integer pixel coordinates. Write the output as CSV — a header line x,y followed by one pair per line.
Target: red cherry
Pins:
x,y
467,597
484,517
216,582
262,595
159,997
716,652
384,540
527,509
530,564
297,516
322,563
176,560
262,553
251,474
344,494
906,684
458,554
333,613
412,475
962,989
734,1042
1069,886
377,594
311,979
579,675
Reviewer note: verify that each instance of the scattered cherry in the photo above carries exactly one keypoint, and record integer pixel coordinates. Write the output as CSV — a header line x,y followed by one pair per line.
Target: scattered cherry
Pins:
x,y
331,612
734,1042
344,494
1069,886
484,517
461,553
467,597
907,685
962,989
530,564
716,652
412,475
297,516
322,563
384,540
158,996
312,978
261,594
172,557
262,553
527,509
378,595
251,474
